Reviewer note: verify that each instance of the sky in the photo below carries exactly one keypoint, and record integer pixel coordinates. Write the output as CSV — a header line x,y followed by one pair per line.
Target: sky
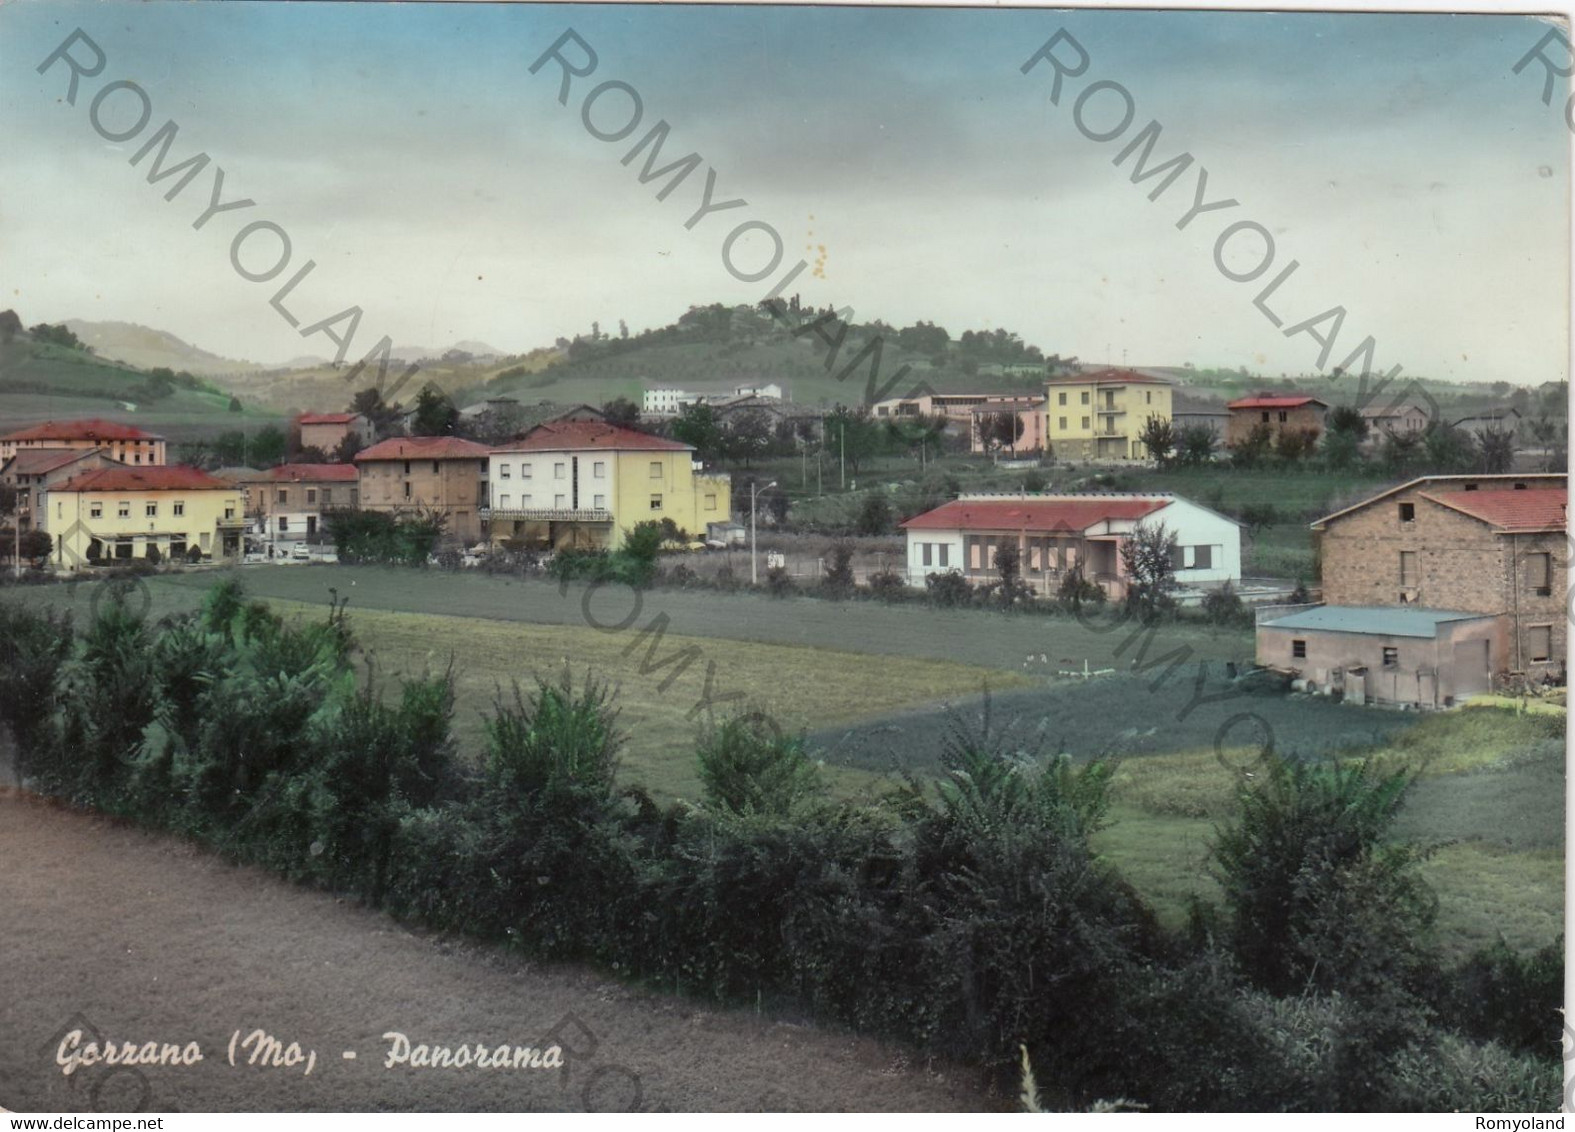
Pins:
x,y
904,155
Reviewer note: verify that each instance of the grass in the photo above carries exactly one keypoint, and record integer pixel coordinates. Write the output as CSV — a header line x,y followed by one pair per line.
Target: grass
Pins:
x,y
1488,881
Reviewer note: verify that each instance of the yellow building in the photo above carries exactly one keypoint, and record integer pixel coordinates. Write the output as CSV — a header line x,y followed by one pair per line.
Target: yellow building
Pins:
x,y
588,483
1099,416
118,441
119,513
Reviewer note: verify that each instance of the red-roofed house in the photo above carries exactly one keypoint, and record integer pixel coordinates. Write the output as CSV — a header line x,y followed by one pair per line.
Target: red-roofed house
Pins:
x,y
586,483
121,441
442,475
1276,412
1482,556
1056,534
120,512
327,431
287,503
33,471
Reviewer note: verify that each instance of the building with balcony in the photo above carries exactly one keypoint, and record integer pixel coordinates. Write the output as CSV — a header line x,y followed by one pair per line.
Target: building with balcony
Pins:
x,y
286,504
1100,416
119,513
585,484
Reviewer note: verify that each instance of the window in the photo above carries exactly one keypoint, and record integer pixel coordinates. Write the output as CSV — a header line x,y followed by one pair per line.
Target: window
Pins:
x,y
1062,400
284,524
656,469
1203,558
1085,422
1407,512
503,471
179,509
1471,487
95,511
524,471
407,489
559,471
560,501
1539,643
503,502
123,549
1265,416
710,502
1282,416
1538,573
123,509
434,467
1148,397
924,553
311,495
151,510
524,501
599,469
1391,657
1408,574
407,467
284,495
328,496
1063,424
1299,650
229,513
599,502
945,549
656,503
136,459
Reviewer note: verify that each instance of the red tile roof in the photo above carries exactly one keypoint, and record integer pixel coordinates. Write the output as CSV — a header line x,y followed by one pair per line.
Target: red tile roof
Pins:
x,y
1532,509
1287,402
1108,377
80,430
326,418
1064,513
40,461
424,448
176,477
562,436
312,473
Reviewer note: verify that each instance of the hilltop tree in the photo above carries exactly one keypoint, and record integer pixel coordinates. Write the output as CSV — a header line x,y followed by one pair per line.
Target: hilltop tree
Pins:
x,y
852,435
10,326
698,427
384,417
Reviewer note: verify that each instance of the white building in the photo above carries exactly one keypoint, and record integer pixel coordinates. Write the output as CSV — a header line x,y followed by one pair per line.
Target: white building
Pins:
x,y
665,402
1056,534
771,389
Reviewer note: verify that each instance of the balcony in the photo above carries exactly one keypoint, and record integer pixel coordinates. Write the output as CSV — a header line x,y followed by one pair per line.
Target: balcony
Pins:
x,y
548,514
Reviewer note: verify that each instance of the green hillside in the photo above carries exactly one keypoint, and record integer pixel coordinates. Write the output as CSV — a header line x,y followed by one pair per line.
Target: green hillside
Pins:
x,y
43,381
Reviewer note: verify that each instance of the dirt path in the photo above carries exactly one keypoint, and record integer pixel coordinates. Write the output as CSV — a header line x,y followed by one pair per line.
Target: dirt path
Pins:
x,y
141,937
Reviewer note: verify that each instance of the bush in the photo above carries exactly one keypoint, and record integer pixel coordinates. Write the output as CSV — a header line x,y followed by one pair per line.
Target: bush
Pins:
x,y
1515,999
749,767
875,516
839,571
779,583
1225,607
948,590
888,585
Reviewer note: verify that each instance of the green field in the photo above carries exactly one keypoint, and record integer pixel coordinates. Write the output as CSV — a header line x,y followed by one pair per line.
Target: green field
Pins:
x,y
1489,800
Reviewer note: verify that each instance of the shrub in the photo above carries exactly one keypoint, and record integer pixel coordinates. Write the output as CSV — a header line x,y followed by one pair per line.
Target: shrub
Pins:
x,y
1501,995
839,571
34,647
779,583
1077,590
1225,607
888,585
875,516
748,766
948,590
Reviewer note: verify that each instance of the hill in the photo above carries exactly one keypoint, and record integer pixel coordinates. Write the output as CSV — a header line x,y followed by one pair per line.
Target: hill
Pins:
x,y
46,381
147,348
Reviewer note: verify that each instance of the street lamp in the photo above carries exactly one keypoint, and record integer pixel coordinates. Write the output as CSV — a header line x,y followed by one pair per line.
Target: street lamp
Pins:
x,y
754,563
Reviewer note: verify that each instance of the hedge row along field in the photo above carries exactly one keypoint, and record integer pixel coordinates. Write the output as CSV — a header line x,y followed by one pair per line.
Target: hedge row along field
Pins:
x,y
967,916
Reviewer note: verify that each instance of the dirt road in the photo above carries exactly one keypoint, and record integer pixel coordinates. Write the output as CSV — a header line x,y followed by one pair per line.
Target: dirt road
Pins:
x,y
130,936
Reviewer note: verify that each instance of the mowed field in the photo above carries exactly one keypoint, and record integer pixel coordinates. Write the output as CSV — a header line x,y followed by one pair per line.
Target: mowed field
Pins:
x,y
876,688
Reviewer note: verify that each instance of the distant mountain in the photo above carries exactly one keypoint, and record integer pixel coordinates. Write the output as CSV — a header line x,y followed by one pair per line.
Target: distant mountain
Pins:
x,y
146,348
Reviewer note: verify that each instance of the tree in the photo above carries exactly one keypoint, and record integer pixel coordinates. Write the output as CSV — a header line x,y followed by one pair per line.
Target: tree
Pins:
x,y
383,416
1446,448
36,545
1347,419
267,447
1253,448
1001,430
1195,444
839,568
622,412
435,413
1496,448
1009,565
235,404
875,516
747,436
1077,589
852,435
698,427
1149,555
1158,435
10,326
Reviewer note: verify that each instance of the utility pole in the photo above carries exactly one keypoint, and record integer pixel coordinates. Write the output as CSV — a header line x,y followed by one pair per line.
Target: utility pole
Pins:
x,y
843,446
754,561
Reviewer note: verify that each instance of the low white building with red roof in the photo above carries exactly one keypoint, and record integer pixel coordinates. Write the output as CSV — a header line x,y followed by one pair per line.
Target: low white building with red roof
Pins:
x,y
1056,534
